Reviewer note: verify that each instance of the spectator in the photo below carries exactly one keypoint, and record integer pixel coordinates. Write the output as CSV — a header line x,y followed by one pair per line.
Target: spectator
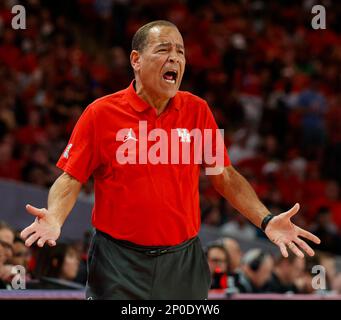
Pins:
x,y
304,283
234,252
21,253
327,260
218,262
6,244
327,231
57,267
285,274
2,261
255,272
7,239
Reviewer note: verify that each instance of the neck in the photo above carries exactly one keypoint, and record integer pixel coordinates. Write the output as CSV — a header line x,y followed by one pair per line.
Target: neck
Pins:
x,y
155,101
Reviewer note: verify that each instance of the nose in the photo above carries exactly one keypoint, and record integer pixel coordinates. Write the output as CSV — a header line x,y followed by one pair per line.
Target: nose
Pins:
x,y
173,55
173,58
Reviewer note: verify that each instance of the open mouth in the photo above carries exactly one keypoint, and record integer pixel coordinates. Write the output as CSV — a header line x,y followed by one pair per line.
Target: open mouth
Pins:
x,y
170,76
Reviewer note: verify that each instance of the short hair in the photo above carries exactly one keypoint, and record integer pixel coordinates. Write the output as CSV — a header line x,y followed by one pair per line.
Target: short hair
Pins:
x,y
254,258
217,245
5,226
140,37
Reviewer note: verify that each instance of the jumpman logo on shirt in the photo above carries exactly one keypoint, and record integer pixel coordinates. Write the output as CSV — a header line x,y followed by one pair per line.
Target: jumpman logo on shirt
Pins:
x,y
129,136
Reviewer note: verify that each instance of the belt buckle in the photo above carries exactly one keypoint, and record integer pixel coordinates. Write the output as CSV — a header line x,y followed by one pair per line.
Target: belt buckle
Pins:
x,y
156,252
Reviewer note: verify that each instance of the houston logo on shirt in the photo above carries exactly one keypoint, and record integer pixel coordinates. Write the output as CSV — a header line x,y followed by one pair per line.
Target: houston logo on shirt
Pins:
x,y
179,146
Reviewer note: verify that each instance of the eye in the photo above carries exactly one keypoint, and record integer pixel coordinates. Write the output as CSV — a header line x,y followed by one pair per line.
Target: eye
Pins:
x,y
181,52
162,50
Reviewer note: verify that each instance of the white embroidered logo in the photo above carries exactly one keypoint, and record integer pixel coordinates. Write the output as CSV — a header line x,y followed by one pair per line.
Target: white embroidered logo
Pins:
x,y
129,136
67,150
184,135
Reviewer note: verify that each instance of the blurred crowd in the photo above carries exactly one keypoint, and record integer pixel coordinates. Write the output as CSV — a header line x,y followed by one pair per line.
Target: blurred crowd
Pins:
x,y
259,271
232,270
271,80
60,267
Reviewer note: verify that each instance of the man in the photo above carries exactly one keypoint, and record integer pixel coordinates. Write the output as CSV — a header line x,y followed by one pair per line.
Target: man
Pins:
x,y
327,231
7,239
286,272
2,261
147,215
255,272
21,254
6,253
234,252
217,258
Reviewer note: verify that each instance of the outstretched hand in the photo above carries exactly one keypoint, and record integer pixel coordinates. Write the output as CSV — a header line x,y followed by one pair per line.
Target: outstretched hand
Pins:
x,y
45,228
282,232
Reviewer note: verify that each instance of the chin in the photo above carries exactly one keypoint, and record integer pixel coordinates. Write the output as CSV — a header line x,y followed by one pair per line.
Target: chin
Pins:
x,y
170,93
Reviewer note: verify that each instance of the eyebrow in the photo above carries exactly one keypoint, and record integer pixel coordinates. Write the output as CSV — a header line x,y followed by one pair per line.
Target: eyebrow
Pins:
x,y
168,44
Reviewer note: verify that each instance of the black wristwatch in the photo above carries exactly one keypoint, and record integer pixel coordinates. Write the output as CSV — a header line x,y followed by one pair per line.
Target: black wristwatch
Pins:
x,y
266,220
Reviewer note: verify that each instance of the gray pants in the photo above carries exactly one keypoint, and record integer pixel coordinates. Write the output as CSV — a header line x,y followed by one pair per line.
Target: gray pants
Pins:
x,y
123,270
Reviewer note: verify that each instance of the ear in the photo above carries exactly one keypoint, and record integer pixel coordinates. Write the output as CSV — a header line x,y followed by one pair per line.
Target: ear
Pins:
x,y
135,60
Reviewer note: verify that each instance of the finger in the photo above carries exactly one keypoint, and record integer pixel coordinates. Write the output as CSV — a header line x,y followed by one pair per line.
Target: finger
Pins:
x,y
35,211
305,247
308,235
41,242
51,243
27,231
295,250
31,239
283,249
292,211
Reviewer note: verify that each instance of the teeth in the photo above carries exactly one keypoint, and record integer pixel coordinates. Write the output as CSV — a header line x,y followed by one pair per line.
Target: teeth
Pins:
x,y
170,81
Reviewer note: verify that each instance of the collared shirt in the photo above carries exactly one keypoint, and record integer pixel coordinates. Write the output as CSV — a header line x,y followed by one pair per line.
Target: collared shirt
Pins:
x,y
142,194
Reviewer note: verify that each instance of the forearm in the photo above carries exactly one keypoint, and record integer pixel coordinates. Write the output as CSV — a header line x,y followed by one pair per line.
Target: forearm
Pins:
x,y
62,197
239,193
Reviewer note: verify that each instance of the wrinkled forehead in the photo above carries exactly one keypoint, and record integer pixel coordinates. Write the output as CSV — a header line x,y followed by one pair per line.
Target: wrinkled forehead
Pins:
x,y
165,35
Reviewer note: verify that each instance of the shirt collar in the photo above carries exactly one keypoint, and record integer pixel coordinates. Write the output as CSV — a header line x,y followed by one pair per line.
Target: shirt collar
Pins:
x,y
140,105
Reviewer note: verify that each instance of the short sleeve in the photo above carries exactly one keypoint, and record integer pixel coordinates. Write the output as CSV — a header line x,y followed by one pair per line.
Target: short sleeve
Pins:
x,y
214,151
81,155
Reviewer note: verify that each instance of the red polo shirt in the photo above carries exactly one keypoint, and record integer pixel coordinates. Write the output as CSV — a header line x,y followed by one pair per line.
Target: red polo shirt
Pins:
x,y
148,204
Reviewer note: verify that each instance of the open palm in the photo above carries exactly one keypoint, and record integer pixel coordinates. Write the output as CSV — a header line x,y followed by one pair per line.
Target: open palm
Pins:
x,y
282,232
44,229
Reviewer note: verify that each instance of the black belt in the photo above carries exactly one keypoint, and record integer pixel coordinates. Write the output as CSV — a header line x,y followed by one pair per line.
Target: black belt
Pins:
x,y
149,250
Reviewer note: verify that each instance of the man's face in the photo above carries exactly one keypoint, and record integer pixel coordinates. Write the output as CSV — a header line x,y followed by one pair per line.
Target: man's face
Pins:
x,y
263,274
7,239
70,265
2,255
216,258
234,251
161,64
21,254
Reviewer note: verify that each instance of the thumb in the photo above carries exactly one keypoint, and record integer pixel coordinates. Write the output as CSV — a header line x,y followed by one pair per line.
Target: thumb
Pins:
x,y
35,211
292,211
